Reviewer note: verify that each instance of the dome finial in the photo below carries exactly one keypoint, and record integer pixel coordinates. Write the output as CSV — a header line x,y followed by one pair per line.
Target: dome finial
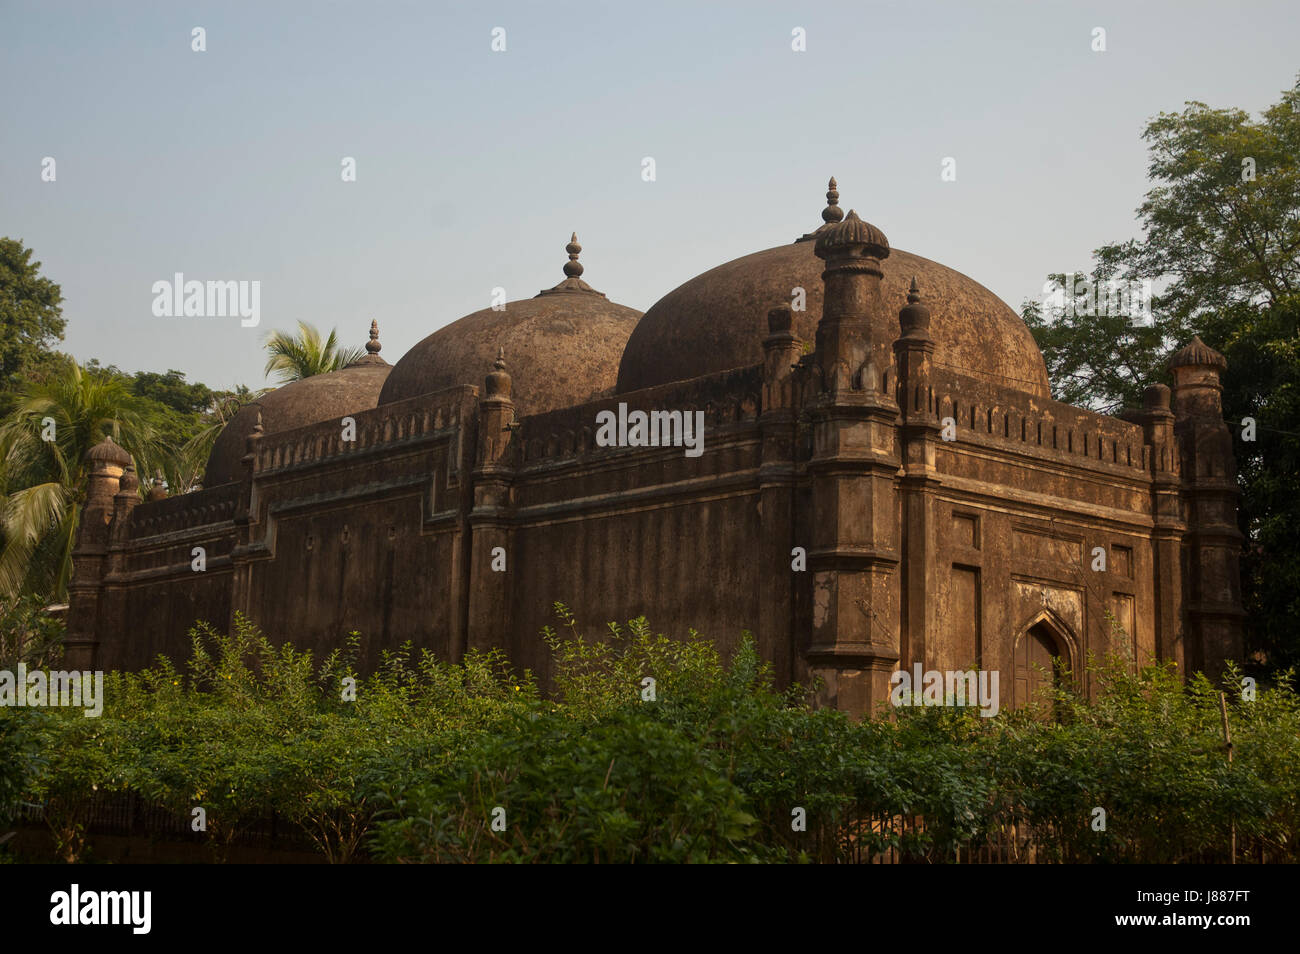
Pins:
x,y
832,215
373,347
913,293
832,212
573,267
572,273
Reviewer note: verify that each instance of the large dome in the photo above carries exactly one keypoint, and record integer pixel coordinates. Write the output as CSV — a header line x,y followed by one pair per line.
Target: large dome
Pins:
x,y
717,320
562,346
297,404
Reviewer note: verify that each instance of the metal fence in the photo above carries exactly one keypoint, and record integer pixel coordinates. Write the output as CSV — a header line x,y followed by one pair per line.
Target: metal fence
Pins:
x,y
865,840
126,814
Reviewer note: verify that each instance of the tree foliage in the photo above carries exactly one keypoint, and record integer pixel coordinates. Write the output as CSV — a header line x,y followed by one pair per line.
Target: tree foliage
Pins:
x,y
31,312
1212,239
293,357
50,426
1221,241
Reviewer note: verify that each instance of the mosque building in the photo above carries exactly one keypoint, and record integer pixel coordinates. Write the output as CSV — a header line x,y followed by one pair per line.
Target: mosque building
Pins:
x,y
883,481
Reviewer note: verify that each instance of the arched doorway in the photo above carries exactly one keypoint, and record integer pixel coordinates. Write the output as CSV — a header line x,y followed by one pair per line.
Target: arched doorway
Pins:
x,y
1042,652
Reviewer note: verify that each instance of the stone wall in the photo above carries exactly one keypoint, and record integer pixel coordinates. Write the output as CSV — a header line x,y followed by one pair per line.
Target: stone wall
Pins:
x,y
946,546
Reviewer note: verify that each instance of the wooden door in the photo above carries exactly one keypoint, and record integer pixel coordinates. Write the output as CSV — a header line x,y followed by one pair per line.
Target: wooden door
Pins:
x,y
1034,664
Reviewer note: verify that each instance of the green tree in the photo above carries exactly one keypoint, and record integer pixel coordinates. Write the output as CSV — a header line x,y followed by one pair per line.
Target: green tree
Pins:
x,y
1101,362
184,414
43,444
172,390
1221,240
293,357
1223,220
31,312
192,458
1221,228
186,418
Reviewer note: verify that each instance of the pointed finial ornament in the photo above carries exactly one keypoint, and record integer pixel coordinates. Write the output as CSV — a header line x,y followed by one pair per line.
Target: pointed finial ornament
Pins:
x,y
572,273
832,212
831,215
573,267
498,383
914,318
252,440
373,348
156,492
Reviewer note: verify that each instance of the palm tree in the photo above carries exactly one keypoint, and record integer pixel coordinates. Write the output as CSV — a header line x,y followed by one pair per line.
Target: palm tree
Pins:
x,y
191,460
294,357
50,425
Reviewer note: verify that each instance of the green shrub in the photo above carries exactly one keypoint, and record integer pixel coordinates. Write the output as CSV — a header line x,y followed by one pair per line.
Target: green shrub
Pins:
x,y
621,788
715,765
29,633
21,759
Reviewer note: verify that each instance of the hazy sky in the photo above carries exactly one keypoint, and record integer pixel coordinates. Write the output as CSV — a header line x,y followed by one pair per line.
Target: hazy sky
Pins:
x,y
473,167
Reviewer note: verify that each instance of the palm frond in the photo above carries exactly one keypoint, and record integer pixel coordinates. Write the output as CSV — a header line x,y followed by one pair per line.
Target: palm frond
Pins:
x,y
31,516
294,357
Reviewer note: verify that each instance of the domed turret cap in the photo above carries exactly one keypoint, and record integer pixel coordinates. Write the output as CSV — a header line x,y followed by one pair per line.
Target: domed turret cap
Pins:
x,y
1197,354
914,316
109,452
129,484
852,231
497,383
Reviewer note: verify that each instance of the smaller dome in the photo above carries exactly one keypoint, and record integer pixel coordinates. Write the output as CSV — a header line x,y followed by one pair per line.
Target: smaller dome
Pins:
x,y
914,318
108,451
851,231
1197,354
321,397
498,382
563,345
129,484
1156,397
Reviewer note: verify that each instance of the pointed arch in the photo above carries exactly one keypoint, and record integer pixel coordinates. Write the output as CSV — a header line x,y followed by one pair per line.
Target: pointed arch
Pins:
x,y
1044,646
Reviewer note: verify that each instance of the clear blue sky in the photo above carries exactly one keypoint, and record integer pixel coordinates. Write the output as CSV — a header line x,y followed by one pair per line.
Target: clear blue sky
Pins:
x,y
474,167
